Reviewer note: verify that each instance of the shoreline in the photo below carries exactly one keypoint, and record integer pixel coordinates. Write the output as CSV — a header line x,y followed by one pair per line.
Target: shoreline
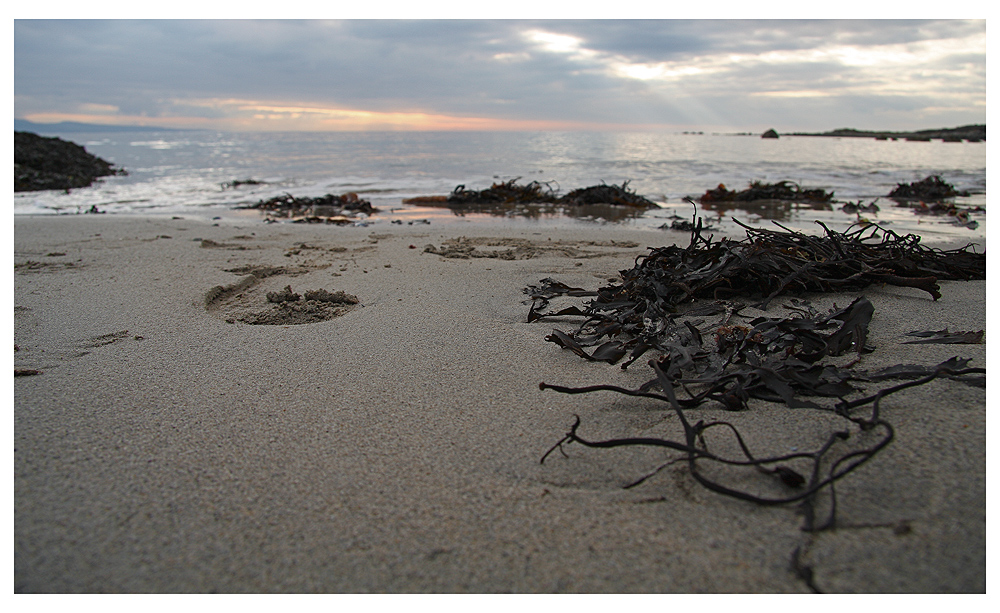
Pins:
x,y
395,446
655,228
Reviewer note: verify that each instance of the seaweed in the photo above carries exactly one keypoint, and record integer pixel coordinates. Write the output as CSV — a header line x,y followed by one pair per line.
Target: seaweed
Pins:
x,y
796,361
842,452
538,199
510,192
606,194
960,215
329,205
927,197
769,263
758,190
932,188
237,183
916,371
943,337
859,207
505,192
683,225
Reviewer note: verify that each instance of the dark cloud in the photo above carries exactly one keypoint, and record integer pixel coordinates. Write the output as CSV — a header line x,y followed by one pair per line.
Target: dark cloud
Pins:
x,y
493,68
658,40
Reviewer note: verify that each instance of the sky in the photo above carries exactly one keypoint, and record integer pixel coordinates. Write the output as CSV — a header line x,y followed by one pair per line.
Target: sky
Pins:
x,y
500,74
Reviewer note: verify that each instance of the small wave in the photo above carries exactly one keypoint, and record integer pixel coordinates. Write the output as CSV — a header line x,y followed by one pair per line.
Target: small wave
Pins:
x,y
159,144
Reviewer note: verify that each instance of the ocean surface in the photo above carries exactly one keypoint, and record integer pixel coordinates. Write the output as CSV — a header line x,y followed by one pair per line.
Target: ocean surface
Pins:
x,y
185,173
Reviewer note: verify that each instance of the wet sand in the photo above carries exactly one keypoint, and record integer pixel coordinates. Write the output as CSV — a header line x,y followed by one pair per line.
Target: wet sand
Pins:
x,y
169,444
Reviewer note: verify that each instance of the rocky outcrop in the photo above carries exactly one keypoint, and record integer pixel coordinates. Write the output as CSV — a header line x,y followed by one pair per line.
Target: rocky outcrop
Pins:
x,y
52,163
769,134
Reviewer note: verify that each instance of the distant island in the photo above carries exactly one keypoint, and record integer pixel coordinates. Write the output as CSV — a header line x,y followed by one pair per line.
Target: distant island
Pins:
x,y
23,125
972,133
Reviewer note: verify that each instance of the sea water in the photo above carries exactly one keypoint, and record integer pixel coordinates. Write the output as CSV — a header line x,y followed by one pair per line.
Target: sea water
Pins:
x,y
187,172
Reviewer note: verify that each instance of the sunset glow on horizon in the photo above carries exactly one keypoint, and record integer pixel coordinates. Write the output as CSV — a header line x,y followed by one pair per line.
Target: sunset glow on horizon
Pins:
x,y
282,119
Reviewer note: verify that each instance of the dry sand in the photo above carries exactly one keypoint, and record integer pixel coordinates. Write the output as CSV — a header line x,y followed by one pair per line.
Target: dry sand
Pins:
x,y
393,445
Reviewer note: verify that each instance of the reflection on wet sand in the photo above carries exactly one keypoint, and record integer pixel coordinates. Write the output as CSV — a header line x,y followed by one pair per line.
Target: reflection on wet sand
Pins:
x,y
607,212
778,210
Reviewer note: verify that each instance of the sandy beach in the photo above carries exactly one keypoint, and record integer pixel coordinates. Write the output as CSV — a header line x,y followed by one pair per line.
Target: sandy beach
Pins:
x,y
180,437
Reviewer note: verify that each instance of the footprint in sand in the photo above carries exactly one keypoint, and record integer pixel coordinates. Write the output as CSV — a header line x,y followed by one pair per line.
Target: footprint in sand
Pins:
x,y
34,360
249,300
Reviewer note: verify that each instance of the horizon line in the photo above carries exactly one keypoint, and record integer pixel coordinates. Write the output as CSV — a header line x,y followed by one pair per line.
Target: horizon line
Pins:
x,y
688,129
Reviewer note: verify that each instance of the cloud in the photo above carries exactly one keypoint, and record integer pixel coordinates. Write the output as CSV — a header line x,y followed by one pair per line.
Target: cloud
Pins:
x,y
100,109
482,74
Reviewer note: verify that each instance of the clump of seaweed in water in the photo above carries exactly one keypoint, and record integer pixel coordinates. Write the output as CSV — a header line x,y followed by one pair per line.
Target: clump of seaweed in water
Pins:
x,y
507,192
936,191
606,194
510,192
758,190
537,199
288,205
772,359
932,188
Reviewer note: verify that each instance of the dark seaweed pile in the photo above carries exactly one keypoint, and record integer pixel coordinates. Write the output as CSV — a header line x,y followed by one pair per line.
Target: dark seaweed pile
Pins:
x,y
507,192
783,190
661,305
237,183
769,263
928,197
328,205
932,188
606,194
510,192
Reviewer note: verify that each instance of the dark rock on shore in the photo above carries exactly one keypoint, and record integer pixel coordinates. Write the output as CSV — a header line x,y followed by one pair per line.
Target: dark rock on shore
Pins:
x,y
42,163
769,134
